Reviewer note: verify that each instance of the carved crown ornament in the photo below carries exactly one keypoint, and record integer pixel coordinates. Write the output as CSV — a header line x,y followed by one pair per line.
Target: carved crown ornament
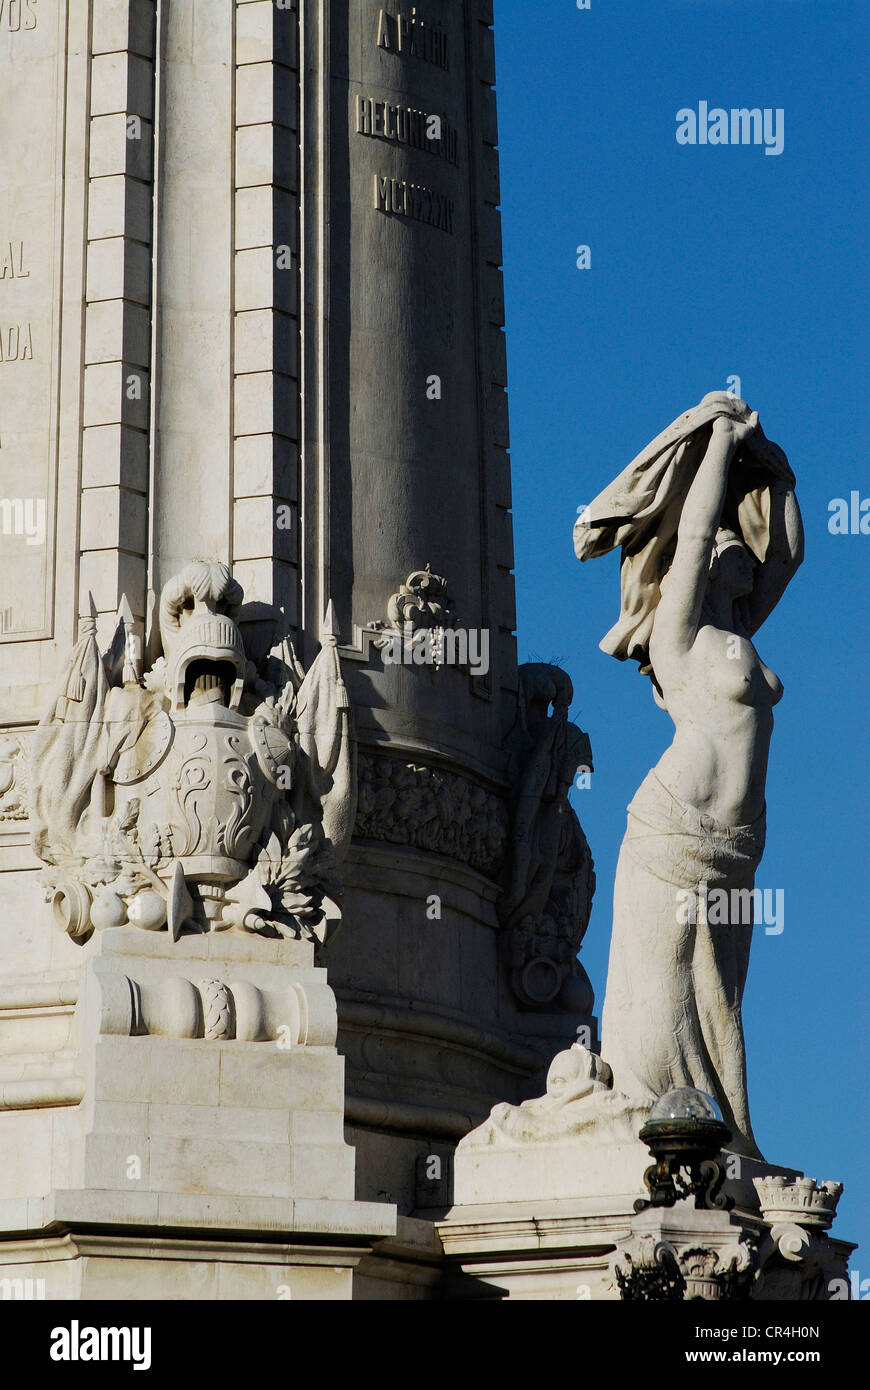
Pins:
x,y
421,602
802,1201
203,794
418,615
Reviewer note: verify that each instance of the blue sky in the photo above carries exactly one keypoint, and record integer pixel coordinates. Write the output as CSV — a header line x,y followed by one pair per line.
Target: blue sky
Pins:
x,y
707,262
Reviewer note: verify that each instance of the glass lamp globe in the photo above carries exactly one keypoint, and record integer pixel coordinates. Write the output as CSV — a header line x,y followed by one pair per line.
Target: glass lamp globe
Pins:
x,y
684,1103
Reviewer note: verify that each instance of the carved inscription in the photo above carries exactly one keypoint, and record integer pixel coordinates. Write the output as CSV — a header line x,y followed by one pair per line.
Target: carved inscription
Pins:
x,y
16,15
409,35
33,38
407,126
16,342
12,265
415,200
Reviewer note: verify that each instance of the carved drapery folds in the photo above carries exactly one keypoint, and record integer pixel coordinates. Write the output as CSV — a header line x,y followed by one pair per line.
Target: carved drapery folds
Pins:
x,y
203,795
550,878
579,1091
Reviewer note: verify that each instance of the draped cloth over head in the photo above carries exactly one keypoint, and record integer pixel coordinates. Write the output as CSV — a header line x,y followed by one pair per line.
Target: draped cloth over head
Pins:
x,y
641,509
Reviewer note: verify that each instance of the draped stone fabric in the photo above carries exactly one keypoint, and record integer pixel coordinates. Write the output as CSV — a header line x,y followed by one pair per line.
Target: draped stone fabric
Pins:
x,y
327,749
640,511
672,1013
66,751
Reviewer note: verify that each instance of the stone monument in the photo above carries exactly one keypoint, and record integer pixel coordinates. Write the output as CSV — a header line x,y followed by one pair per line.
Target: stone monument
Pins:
x,y
291,891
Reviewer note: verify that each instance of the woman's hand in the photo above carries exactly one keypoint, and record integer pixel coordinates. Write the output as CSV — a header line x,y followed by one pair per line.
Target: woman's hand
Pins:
x,y
735,431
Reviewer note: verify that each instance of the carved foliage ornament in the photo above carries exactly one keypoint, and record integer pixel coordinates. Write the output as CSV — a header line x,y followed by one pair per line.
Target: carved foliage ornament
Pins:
x,y
650,1269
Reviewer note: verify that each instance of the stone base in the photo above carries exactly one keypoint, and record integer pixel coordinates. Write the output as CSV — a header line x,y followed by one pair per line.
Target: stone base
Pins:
x,y
571,1249
553,1214
149,1266
172,1120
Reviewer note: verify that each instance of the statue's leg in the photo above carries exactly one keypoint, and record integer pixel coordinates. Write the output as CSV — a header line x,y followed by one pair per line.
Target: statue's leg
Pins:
x,y
651,1033
719,967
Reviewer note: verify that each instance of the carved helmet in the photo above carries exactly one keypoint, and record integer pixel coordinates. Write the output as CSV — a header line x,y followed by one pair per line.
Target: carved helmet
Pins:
x,y
199,632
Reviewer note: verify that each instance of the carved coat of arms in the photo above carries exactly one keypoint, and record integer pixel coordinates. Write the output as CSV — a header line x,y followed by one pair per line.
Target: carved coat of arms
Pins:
x,y
202,795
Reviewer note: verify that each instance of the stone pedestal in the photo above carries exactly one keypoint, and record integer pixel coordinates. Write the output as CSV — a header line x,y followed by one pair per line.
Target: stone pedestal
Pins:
x,y
558,1220
172,1125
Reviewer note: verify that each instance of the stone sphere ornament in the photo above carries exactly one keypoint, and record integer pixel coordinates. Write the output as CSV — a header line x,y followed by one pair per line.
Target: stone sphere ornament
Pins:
x,y
147,910
108,910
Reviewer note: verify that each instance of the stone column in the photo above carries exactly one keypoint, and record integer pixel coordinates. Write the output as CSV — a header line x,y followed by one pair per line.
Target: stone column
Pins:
x,y
251,303
404,465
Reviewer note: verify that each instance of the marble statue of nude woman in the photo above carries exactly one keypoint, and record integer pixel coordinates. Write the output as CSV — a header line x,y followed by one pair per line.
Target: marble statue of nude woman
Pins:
x,y
711,534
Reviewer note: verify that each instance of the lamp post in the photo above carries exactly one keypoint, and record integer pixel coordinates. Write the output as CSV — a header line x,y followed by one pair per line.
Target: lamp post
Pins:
x,y
684,1134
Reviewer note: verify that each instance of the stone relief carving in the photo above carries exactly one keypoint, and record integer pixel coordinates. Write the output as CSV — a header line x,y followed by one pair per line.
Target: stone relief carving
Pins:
x,y
797,1260
419,614
578,1093
789,1259
200,795
531,841
800,1200
299,1014
409,803
550,877
14,778
650,1269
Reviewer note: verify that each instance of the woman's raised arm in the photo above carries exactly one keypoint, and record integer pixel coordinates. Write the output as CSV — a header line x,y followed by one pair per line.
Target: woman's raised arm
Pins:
x,y
679,611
